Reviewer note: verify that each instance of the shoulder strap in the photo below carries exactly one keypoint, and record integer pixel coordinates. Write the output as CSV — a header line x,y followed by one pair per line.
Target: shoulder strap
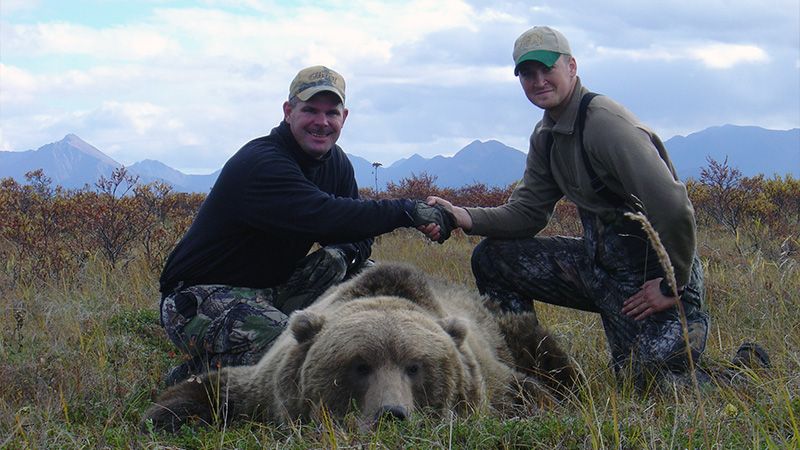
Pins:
x,y
598,186
548,148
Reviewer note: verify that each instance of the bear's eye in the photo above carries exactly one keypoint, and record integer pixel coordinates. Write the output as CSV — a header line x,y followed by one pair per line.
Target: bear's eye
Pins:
x,y
412,369
362,369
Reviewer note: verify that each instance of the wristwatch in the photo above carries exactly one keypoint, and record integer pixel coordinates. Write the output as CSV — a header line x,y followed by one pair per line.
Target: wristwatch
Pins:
x,y
667,290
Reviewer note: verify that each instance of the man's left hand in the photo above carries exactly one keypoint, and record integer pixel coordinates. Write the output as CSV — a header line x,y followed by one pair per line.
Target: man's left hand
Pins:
x,y
649,300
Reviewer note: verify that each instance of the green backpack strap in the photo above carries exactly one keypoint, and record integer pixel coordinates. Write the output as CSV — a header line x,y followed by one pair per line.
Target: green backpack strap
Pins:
x,y
598,186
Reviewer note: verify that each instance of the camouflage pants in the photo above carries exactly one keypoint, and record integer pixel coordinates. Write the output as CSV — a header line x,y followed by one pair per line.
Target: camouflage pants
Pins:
x,y
220,325
597,273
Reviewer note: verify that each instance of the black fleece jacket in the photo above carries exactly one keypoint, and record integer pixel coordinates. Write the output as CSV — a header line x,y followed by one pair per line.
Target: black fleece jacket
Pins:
x,y
269,205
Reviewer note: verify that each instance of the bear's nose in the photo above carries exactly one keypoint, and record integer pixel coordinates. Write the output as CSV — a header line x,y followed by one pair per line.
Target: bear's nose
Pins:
x,y
395,412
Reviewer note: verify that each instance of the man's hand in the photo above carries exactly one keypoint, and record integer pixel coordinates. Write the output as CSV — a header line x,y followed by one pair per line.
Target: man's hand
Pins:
x,y
647,301
462,218
427,216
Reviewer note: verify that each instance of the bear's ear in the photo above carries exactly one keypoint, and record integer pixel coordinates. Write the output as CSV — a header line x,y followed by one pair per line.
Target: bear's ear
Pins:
x,y
455,327
305,325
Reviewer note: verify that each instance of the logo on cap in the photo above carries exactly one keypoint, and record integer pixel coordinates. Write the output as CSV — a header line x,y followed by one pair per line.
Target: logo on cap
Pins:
x,y
532,40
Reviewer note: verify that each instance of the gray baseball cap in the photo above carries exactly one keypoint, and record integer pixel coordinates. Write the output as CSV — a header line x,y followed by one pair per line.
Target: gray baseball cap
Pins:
x,y
542,44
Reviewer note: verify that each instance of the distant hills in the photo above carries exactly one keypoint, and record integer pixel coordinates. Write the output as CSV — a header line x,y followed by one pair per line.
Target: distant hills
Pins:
x,y
752,150
73,163
70,162
491,163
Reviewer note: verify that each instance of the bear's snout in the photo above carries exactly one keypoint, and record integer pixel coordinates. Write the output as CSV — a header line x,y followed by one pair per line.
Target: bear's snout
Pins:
x,y
392,412
390,394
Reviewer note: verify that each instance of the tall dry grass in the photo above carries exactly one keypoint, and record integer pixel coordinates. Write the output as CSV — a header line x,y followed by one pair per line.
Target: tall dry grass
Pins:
x,y
80,361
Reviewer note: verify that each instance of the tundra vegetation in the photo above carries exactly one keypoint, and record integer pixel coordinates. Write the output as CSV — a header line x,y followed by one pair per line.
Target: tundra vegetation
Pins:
x,y
82,353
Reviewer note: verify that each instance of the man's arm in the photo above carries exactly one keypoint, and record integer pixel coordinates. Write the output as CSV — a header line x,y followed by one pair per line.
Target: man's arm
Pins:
x,y
355,253
531,204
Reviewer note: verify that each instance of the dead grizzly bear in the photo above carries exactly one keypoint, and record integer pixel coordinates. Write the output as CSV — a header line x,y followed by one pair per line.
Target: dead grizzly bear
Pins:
x,y
389,342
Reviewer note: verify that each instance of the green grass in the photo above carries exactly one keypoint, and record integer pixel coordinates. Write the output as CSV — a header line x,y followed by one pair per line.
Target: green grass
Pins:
x,y
79,363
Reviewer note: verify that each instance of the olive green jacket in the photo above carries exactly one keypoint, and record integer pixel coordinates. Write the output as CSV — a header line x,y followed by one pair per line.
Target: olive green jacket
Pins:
x,y
629,158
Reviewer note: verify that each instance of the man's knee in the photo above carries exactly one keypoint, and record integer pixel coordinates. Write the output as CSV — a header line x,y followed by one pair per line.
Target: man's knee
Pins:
x,y
179,317
494,279
478,259
484,265
223,320
246,327
484,260
673,347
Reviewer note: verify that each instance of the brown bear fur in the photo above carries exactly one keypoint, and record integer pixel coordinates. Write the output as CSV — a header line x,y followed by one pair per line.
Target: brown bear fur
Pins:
x,y
391,341
536,353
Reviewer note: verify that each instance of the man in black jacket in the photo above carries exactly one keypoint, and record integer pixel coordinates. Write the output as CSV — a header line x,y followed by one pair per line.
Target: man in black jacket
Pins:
x,y
243,266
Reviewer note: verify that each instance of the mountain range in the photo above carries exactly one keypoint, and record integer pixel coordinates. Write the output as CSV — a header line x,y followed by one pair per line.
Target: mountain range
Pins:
x,y
73,163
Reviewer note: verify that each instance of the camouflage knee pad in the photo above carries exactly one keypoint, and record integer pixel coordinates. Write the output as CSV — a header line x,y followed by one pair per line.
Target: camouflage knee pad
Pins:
x,y
223,324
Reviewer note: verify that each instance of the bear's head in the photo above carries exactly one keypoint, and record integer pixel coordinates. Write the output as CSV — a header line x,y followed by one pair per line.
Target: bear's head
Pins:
x,y
385,356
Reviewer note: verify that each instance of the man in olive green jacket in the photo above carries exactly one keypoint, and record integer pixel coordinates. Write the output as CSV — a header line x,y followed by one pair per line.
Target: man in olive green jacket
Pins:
x,y
599,156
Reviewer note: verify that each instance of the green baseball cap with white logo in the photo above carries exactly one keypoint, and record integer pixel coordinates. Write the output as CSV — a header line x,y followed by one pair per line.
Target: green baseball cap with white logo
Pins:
x,y
315,79
542,44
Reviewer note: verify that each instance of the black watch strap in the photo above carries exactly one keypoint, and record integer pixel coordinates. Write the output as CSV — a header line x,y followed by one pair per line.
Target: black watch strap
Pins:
x,y
667,290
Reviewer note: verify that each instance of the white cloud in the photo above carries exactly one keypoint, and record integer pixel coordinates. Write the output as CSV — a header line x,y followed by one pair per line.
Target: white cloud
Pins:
x,y
17,85
364,31
4,144
65,39
432,75
712,55
140,117
491,15
20,87
636,54
725,56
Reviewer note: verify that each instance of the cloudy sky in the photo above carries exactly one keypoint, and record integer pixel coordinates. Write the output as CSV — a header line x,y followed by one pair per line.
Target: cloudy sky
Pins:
x,y
189,82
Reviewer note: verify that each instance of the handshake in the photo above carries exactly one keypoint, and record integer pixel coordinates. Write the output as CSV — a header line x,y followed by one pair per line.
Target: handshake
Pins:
x,y
424,214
